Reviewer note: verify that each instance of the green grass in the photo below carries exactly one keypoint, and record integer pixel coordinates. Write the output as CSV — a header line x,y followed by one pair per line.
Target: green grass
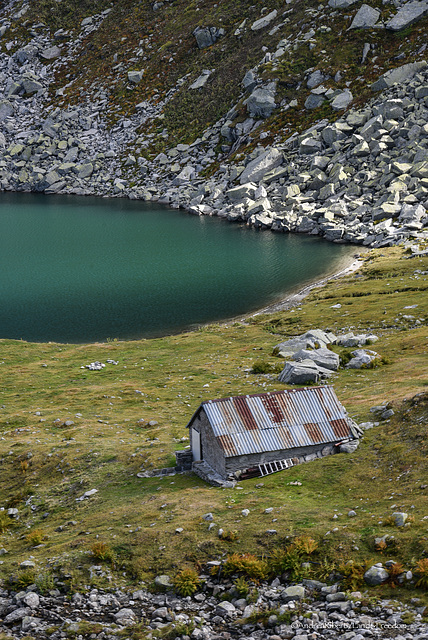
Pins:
x,y
45,465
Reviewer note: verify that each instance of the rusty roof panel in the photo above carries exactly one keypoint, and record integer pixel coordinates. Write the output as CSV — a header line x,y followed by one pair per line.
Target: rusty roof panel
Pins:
x,y
226,442
277,421
244,411
340,428
314,431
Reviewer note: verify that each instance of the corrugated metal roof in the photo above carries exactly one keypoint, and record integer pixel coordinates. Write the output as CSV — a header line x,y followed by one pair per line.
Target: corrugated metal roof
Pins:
x,y
277,421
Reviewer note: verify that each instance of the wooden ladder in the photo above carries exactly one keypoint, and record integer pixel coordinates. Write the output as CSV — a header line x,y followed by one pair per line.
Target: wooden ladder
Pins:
x,y
273,467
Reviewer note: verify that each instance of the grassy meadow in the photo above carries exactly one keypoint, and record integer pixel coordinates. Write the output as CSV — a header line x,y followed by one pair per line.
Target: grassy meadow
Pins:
x,y
65,430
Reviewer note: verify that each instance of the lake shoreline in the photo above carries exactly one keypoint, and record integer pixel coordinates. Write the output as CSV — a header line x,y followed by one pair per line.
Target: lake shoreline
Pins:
x,y
348,266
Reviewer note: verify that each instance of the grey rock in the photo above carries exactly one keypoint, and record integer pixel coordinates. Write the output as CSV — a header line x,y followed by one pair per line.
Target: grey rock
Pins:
x,y
201,81
398,75
342,101
51,53
26,54
264,21
341,4
30,84
375,576
27,564
313,101
257,168
225,609
17,615
400,518
207,36
163,581
315,78
249,81
290,594
350,340
31,599
349,447
313,339
408,14
365,17
322,357
246,190
135,76
302,372
261,102
29,623
84,170
310,145
361,358
125,617
6,109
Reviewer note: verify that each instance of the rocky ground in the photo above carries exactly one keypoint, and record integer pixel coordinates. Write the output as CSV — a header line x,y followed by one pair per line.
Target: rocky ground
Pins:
x,y
361,179
304,611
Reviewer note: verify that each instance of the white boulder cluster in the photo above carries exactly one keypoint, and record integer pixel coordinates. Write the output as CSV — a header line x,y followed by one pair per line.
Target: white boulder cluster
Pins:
x,y
312,360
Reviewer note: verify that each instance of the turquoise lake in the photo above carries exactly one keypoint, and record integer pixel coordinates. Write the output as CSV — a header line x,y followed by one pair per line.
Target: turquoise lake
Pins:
x,y
89,269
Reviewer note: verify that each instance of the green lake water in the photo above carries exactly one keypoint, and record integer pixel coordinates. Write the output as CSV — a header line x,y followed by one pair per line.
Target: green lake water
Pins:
x,y
88,269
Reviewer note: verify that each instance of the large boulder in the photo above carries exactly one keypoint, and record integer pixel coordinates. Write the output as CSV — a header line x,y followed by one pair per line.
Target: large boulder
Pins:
x,y
351,340
400,518
50,53
264,21
408,14
365,17
376,575
349,447
295,592
135,76
303,372
362,358
398,75
342,101
246,190
206,36
322,357
30,84
261,102
313,339
257,168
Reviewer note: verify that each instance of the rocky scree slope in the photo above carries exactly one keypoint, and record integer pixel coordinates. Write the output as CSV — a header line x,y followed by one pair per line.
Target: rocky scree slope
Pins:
x,y
308,609
358,173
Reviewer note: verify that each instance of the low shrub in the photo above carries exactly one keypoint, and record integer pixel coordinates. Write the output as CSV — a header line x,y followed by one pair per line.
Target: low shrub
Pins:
x,y
35,537
5,522
23,579
230,535
395,570
186,582
421,572
246,564
352,575
286,561
304,545
44,582
102,551
263,366
242,586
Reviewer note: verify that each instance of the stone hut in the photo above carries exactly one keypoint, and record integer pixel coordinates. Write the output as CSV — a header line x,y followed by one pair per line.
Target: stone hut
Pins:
x,y
254,435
